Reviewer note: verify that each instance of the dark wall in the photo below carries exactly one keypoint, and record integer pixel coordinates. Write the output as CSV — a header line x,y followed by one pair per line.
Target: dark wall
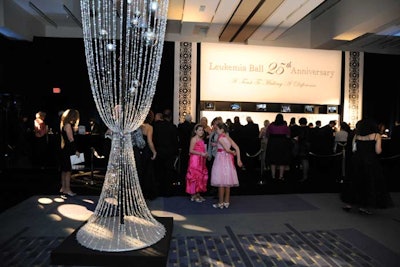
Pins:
x,y
61,63
381,90
30,70
164,96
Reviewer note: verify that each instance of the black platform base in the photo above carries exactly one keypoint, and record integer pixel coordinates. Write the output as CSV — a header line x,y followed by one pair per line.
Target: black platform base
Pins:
x,y
70,252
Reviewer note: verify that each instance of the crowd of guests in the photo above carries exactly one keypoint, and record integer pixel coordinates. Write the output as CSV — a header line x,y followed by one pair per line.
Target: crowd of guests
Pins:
x,y
202,155
199,149
281,146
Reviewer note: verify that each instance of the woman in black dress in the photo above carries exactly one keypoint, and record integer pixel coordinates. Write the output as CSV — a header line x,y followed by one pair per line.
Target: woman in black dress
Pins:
x,y
369,185
145,156
69,123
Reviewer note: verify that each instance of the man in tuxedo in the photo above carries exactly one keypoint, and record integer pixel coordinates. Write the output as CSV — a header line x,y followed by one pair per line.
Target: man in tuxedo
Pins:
x,y
251,143
185,130
165,135
94,126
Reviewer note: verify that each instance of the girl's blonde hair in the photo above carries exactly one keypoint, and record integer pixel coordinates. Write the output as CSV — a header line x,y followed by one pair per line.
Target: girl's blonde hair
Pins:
x,y
70,116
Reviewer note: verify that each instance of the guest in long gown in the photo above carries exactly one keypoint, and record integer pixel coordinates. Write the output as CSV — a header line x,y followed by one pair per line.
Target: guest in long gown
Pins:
x,y
279,148
223,173
197,172
69,123
303,141
145,156
369,185
41,140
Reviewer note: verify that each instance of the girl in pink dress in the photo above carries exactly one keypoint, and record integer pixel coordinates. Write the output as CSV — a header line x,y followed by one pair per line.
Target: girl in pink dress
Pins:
x,y
223,172
197,173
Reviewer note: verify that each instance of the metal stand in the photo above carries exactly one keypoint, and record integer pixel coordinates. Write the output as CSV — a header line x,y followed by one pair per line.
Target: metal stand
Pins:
x,y
343,145
178,180
261,180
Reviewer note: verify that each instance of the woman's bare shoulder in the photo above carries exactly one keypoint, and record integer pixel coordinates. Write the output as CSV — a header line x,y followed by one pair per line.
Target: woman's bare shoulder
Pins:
x,y
146,128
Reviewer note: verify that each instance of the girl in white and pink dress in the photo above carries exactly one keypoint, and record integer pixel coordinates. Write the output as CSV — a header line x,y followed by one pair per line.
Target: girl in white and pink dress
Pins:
x,y
223,172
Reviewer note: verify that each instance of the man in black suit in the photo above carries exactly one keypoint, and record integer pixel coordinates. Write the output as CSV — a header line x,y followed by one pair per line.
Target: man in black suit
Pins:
x,y
235,131
185,131
322,140
165,135
94,127
395,138
251,143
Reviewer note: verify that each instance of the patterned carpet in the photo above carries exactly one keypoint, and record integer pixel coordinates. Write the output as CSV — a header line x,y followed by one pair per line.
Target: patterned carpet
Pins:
x,y
317,246
344,247
291,248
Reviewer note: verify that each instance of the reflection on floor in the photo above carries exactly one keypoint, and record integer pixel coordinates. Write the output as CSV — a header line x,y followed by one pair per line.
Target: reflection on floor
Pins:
x,y
256,230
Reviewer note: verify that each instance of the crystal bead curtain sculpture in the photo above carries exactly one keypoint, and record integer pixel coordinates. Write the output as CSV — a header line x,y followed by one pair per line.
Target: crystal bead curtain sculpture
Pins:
x,y
123,45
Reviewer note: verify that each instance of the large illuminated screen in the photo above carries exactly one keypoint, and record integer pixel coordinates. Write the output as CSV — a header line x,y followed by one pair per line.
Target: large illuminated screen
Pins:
x,y
231,72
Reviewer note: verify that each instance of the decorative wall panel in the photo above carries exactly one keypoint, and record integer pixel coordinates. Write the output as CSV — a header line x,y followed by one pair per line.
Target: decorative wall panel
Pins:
x,y
352,111
185,79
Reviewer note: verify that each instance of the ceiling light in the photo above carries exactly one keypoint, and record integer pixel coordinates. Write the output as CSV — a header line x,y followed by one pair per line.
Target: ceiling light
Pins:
x,y
348,36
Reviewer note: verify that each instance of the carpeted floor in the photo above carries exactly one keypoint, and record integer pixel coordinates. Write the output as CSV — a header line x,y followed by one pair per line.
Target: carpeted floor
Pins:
x,y
269,222
256,230
238,204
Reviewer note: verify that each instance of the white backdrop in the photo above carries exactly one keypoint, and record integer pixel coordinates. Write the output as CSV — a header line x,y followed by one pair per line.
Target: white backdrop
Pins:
x,y
231,72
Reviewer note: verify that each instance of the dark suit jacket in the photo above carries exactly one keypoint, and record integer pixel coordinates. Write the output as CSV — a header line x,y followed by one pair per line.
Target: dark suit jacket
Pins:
x,y
165,138
251,142
185,130
395,140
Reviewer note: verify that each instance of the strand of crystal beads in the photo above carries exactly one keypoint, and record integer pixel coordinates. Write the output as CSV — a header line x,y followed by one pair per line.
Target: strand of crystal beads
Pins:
x,y
139,229
123,46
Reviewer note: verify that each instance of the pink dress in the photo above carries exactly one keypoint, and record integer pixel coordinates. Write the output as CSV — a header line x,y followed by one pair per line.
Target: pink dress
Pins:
x,y
223,172
197,173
